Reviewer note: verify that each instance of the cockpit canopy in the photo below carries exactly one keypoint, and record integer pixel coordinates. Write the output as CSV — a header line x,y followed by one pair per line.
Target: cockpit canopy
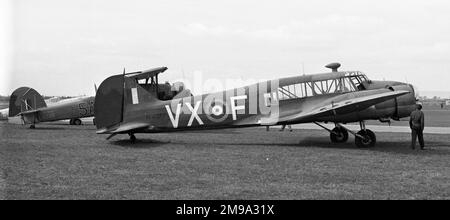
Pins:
x,y
176,90
149,81
321,84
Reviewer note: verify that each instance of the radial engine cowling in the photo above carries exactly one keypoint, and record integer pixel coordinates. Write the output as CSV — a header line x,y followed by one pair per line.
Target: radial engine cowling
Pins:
x,y
401,106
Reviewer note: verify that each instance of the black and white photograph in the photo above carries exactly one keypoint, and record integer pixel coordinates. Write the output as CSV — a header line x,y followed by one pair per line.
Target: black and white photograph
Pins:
x,y
208,100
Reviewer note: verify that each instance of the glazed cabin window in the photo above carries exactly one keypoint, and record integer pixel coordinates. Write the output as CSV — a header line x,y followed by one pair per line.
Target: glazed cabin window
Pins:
x,y
308,89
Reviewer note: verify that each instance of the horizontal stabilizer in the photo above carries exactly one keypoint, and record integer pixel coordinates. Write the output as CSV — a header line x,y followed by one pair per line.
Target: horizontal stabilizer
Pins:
x,y
124,128
29,112
30,117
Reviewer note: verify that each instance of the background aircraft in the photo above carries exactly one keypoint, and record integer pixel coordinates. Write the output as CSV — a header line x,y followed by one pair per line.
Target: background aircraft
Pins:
x,y
4,114
133,103
31,107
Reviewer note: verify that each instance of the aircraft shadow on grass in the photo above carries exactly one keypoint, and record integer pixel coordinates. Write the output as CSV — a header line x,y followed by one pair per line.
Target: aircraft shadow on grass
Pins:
x,y
60,128
214,131
141,143
396,147
49,129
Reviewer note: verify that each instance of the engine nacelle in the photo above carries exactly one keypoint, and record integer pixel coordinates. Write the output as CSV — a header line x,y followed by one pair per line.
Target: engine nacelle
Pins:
x,y
399,107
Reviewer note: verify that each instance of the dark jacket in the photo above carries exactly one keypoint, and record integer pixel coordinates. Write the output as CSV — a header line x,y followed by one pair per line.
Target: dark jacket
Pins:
x,y
417,120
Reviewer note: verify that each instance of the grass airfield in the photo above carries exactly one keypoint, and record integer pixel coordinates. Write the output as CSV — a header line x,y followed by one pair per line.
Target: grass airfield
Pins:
x,y
58,161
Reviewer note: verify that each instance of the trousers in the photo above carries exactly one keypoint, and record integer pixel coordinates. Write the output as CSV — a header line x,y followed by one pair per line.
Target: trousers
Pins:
x,y
417,133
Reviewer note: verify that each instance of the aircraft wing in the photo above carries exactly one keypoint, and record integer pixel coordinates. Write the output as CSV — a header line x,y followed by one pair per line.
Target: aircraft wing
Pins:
x,y
342,107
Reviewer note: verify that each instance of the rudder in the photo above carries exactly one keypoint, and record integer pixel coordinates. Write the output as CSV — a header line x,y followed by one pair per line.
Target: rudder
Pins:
x,y
109,102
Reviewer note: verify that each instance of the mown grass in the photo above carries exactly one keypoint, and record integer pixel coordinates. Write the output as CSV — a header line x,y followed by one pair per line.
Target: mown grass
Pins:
x,y
434,117
66,162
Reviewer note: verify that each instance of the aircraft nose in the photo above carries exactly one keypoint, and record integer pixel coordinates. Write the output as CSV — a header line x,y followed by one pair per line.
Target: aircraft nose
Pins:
x,y
407,103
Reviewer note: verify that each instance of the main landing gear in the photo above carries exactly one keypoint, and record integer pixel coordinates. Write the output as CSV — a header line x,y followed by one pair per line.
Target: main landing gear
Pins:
x,y
339,135
363,139
75,121
132,137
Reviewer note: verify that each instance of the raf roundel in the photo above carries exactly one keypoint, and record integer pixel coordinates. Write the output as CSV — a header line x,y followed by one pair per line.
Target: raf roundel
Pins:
x,y
218,112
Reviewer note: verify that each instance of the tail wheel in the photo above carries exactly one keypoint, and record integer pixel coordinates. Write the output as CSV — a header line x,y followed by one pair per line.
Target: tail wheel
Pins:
x,y
339,135
132,138
365,138
76,121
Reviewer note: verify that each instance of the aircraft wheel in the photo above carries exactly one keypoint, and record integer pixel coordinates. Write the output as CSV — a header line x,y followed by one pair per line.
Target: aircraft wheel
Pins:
x,y
76,121
369,139
339,135
132,138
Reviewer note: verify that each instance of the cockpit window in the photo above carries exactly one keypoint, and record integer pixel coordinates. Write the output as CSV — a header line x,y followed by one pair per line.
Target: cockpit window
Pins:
x,y
350,82
165,91
357,79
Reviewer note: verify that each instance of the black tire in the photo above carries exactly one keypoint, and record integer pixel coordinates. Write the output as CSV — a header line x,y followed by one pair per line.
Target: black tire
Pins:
x,y
339,135
132,138
71,122
32,126
93,121
369,139
76,122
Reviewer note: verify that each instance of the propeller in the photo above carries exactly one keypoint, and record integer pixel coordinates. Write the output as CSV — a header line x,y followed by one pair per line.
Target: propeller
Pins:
x,y
416,92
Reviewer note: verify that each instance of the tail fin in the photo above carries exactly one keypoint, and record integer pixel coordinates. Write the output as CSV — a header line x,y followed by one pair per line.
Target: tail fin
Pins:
x,y
25,99
109,102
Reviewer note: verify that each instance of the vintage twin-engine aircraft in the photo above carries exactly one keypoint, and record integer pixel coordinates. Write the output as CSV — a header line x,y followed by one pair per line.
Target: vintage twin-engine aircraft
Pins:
x,y
31,107
132,103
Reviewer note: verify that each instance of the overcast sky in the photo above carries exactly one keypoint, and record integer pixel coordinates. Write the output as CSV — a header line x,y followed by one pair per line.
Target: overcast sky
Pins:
x,y
63,47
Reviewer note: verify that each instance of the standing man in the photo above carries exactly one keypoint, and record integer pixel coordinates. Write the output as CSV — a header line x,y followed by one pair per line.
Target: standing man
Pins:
x,y
417,124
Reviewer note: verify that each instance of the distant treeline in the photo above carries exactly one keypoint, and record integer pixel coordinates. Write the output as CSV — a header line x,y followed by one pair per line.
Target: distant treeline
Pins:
x,y
62,97
6,98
